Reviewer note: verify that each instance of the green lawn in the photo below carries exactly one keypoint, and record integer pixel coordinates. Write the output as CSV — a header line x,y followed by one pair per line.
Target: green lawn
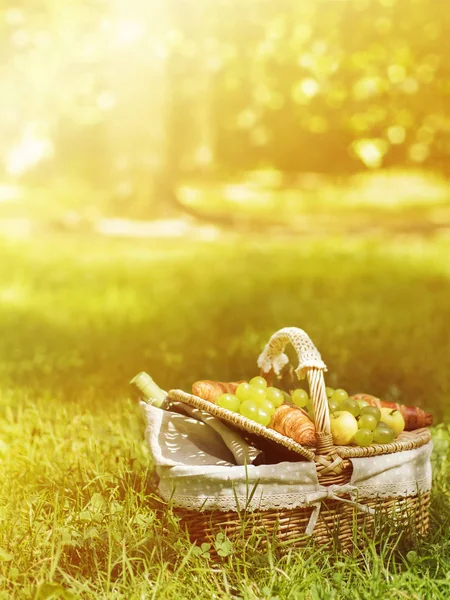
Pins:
x,y
80,316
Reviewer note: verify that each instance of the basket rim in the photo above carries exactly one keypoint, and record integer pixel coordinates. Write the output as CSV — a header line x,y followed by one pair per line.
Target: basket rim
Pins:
x,y
241,422
407,440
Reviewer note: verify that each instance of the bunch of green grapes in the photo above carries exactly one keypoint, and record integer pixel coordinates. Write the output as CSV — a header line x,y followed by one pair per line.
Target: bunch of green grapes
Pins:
x,y
301,399
356,421
254,400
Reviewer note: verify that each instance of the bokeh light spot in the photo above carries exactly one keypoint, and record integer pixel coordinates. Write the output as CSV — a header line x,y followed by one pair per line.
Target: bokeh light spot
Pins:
x,y
304,90
418,152
203,155
320,47
367,87
309,87
306,61
106,100
14,16
370,151
259,136
20,38
396,73
128,32
302,32
410,85
247,119
396,134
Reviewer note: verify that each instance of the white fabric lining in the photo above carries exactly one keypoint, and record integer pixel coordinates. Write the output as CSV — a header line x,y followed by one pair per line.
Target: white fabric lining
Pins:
x,y
194,460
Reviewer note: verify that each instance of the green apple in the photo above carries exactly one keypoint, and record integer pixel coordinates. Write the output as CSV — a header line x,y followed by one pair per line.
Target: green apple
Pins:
x,y
393,418
343,427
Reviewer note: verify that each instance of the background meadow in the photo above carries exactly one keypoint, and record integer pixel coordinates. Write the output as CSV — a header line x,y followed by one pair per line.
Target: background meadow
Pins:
x,y
179,180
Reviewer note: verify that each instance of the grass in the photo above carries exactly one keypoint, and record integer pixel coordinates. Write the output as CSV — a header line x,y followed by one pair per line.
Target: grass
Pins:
x,y
80,316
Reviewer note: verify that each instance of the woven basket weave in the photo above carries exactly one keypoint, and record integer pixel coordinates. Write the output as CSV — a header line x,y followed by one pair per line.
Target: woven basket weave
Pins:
x,y
338,521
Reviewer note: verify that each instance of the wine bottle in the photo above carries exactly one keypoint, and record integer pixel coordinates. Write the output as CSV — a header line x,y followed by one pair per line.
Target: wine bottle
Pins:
x,y
149,390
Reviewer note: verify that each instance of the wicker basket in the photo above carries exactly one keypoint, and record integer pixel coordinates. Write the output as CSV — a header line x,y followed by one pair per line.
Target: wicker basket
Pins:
x,y
339,523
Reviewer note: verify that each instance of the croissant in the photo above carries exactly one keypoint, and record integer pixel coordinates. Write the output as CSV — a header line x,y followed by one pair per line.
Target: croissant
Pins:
x,y
415,417
212,390
294,423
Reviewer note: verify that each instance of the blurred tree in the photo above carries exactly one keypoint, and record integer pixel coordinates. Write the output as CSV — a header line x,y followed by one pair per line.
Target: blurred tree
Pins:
x,y
132,97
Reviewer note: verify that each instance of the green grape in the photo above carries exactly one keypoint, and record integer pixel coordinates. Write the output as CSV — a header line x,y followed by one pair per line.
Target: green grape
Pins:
x,y
383,425
229,401
367,422
371,410
339,395
300,398
383,434
243,391
363,437
329,391
266,405
350,406
333,406
249,409
257,393
286,396
262,417
259,382
363,403
275,396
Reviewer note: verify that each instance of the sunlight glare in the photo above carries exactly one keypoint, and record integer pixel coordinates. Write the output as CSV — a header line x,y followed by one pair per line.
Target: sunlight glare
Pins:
x,y
10,193
106,100
128,32
13,294
31,149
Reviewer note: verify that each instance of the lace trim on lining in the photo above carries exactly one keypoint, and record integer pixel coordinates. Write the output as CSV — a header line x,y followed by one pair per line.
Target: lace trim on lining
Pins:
x,y
232,502
289,501
392,490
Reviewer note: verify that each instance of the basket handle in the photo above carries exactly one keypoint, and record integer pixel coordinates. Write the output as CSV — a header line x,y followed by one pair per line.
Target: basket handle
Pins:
x,y
311,365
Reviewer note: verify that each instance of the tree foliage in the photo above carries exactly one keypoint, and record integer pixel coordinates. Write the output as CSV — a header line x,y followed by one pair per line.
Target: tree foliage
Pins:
x,y
111,91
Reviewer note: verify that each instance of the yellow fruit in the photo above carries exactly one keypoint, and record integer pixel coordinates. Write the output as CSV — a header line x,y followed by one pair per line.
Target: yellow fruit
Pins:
x,y
393,418
343,427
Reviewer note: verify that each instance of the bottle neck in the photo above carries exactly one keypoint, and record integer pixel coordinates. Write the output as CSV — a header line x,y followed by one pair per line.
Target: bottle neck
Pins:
x,y
149,390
